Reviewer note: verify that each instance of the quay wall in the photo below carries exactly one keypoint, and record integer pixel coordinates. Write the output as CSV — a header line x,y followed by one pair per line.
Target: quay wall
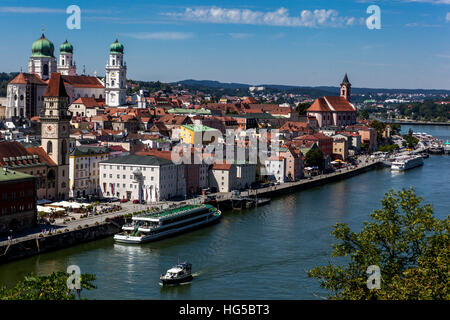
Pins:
x,y
27,247
282,190
19,249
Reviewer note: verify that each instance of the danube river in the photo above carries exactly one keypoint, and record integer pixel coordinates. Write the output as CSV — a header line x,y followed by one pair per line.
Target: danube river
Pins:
x,y
262,253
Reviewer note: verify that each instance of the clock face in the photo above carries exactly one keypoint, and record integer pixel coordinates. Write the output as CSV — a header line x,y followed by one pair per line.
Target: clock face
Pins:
x,y
49,130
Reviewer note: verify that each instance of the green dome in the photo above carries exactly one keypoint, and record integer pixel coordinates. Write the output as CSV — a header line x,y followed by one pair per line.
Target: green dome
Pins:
x,y
66,47
116,47
42,48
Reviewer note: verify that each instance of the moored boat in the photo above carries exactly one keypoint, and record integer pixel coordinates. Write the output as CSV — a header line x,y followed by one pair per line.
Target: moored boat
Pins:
x,y
154,226
406,162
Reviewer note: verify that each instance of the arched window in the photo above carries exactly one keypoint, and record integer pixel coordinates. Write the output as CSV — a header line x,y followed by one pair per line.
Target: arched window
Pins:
x,y
45,70
49,147
100,97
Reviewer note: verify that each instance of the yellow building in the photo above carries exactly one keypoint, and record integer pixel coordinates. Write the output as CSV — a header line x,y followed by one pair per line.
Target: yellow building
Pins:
x,y
198,134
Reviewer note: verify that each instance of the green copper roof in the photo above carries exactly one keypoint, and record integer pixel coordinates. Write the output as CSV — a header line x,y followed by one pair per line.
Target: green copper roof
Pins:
x,y
189,111
66,47
116,47
10,175
198,127
42,47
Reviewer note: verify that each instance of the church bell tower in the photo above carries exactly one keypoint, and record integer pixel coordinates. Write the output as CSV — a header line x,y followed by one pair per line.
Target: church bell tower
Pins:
x,y
346,87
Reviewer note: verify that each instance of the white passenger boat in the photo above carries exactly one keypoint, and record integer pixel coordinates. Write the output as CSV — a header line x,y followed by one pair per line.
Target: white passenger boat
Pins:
x,y
154,226
406,162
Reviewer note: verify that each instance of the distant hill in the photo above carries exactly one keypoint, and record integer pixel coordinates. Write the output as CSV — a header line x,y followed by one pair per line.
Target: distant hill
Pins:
x,y
313,91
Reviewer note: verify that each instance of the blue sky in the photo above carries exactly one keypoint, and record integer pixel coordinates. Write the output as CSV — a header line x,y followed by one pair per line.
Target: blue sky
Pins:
x,y
302,42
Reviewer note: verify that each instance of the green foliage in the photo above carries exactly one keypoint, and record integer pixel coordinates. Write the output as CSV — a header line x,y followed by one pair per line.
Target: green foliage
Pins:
x,y
410,140
380,127
314,157
411,247
427,110
302,107
395,128
364,115
49,287
5,78
388,148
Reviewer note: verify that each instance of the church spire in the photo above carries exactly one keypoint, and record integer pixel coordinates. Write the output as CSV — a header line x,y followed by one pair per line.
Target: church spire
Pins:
x,y
346,88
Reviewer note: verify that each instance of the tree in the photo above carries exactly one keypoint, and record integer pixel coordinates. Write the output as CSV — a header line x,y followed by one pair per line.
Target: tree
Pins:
x,y
49,287
302,107
408,244
365,115
380,127
314,158
395,128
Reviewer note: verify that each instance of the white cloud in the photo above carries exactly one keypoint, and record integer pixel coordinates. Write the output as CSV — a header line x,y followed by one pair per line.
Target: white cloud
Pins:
x,y
240,35
279,17
30,10
160,35
447,17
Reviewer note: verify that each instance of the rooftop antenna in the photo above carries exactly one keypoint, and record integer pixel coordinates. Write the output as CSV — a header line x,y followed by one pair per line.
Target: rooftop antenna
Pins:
x,y
84,69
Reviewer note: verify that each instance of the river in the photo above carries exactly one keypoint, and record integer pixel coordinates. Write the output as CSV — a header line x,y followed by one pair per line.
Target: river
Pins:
x,y
261,253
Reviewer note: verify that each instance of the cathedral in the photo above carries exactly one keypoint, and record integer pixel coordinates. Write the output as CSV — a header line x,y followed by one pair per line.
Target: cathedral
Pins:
x,y
25,93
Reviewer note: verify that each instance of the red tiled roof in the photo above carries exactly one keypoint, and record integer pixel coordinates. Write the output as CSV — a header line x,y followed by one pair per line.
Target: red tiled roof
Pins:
x,y
221,166
15,149
83,81
331,103
319,105
27,78
55,86
42,155
89,102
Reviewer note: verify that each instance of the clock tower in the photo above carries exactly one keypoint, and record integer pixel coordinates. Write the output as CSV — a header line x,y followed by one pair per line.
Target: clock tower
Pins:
x,y
55,130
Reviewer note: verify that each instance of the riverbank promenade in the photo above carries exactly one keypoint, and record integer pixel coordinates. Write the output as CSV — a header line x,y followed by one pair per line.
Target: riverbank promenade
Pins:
x,y
61,226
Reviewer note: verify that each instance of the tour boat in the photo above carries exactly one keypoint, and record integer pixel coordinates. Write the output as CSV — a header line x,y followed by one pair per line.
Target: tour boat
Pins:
x,y
181,273
406,162
154,226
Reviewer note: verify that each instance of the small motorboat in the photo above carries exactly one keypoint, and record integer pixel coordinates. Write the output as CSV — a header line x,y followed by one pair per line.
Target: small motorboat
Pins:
x,y
181,273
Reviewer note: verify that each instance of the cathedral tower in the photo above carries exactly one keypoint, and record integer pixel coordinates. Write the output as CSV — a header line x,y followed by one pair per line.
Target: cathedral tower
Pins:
x,y
55,131
116,76
346,87
66,64
42,60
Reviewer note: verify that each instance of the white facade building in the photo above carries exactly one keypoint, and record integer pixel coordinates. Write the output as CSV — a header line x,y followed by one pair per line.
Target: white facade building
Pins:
x,y
144,178
276,168
84,170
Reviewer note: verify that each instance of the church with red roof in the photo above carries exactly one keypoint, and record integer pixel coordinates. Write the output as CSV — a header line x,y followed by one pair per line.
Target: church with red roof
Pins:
x,y
334,110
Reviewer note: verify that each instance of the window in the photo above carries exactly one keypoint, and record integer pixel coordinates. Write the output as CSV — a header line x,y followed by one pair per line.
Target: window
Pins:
x,y
49,148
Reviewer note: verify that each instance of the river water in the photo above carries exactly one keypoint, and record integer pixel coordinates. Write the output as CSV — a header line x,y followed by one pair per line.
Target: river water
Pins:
x,y
261,253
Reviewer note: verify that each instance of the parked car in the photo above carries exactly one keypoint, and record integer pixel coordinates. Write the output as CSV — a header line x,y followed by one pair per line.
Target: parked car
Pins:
x,y
124,200
135,201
